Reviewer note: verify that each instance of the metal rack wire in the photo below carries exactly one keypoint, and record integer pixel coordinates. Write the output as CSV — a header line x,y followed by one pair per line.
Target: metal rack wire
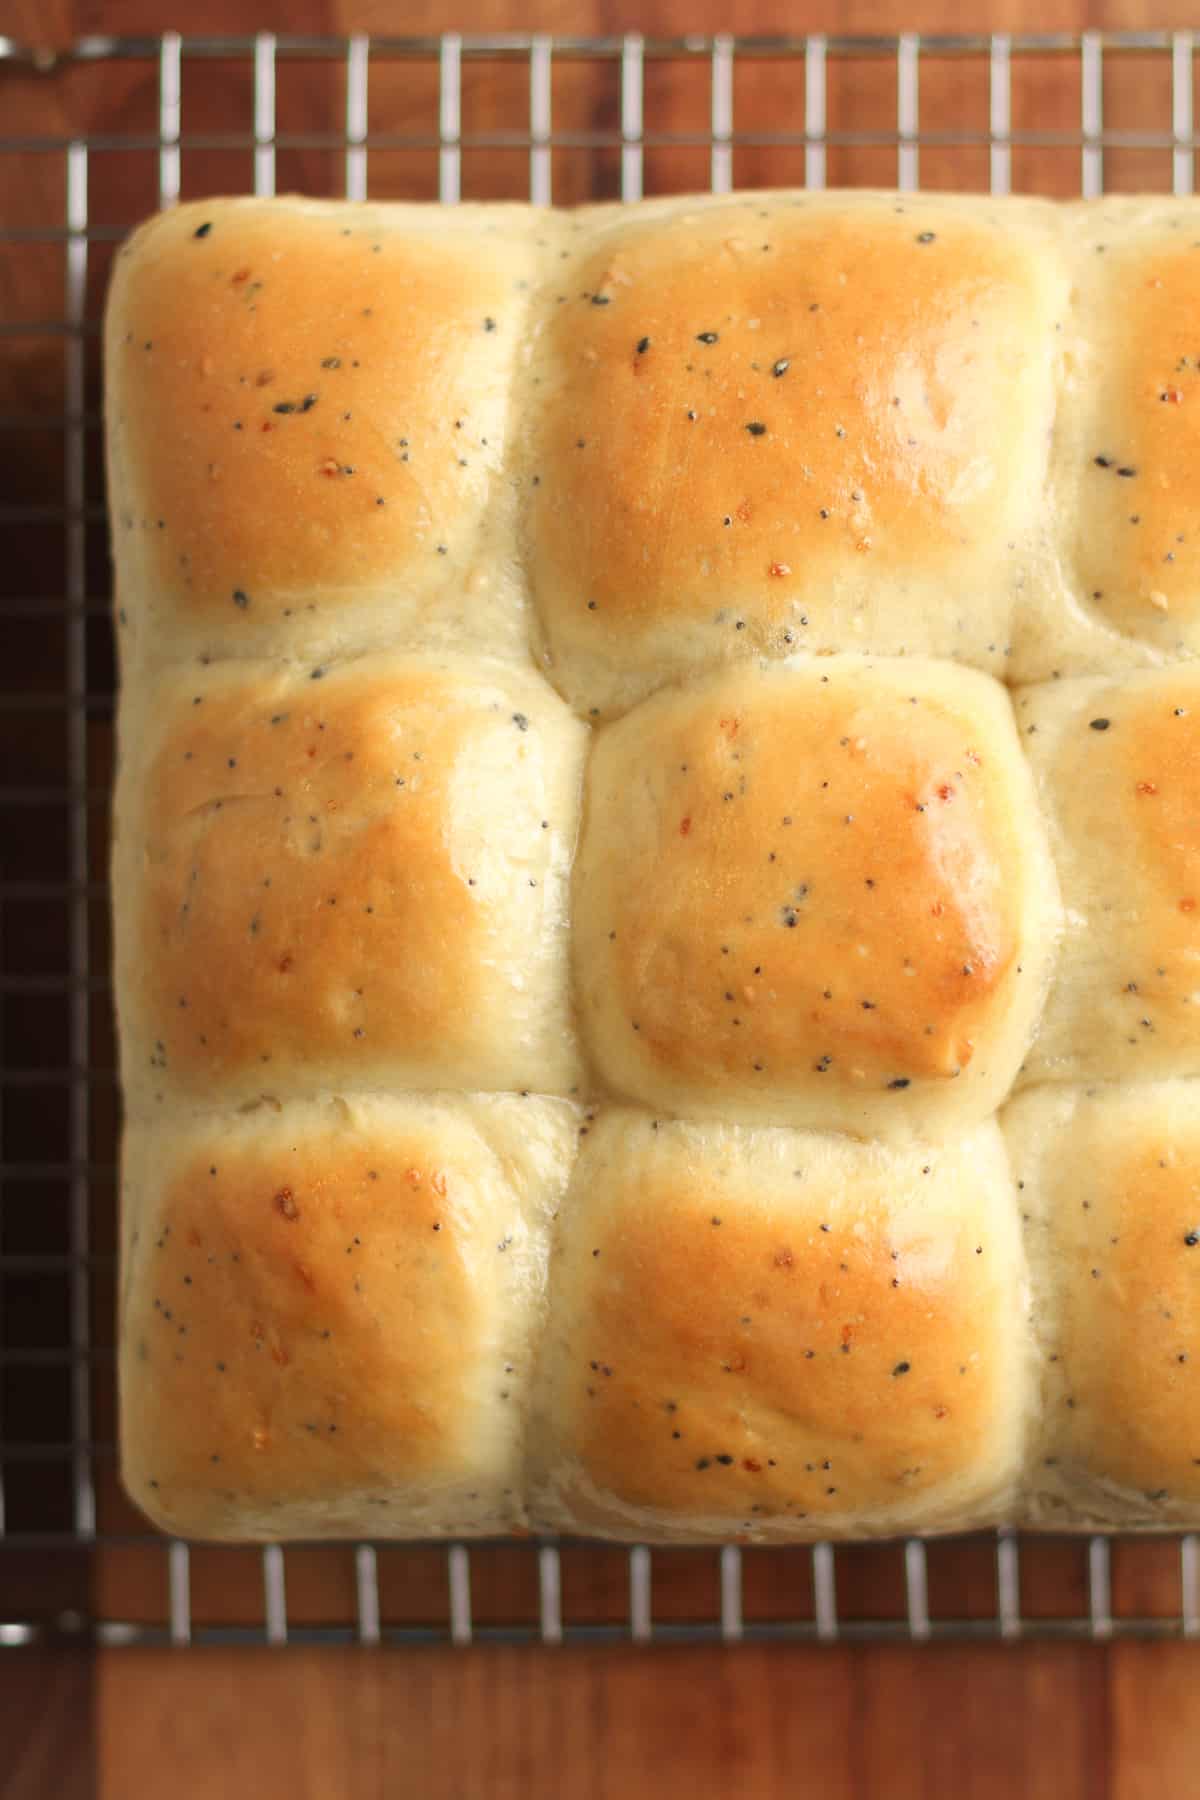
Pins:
x,y
56,1277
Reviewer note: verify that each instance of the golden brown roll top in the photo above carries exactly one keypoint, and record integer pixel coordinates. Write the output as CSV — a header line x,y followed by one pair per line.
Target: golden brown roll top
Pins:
x,y
328,1314
353,876
1127,438
816,895
698,430
776,1334
788,421
308,413
1110,1186
337,1320
1118,769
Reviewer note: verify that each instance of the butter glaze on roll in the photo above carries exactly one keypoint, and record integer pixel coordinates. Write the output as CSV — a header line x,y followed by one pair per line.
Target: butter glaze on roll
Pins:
x,y
359,879
329,1312
774,1334
656,866
831,905
815,422
1118,767
307,417
1110,1185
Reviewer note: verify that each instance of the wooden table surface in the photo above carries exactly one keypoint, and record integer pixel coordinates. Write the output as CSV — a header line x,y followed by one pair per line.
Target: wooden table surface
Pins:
x,y
1038,1722
1064,1721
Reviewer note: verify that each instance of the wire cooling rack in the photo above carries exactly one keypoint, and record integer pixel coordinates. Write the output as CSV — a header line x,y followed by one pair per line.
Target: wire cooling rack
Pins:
x,y
97,136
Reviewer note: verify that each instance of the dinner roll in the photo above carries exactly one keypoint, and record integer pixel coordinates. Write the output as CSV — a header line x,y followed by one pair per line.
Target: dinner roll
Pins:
x,y
1110,1188
346,876
308,416
788,421
815,894
774,1334
1122,496
1118,768
328,1313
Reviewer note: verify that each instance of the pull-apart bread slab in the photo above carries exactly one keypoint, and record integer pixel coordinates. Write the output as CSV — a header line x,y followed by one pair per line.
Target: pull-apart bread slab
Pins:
x,y
657,866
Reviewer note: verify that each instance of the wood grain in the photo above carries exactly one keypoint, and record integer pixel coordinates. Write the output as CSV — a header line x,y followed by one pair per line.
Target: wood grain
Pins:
x,y
47,1725
1040,1722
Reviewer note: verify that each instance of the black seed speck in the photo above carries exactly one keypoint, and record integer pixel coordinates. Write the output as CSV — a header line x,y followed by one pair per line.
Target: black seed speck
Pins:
x,y
1099,724
756,428
241,598
202,231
